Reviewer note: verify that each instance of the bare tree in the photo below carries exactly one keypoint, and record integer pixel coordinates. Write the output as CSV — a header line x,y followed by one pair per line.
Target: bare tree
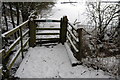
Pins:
x,y
101,15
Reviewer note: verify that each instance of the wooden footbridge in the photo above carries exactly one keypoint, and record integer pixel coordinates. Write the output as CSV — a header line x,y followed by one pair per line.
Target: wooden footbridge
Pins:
x,y
28,31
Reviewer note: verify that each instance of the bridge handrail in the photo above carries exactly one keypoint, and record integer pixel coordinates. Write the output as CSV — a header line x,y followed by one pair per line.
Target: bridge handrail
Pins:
x,y
14,44
12,31
46,20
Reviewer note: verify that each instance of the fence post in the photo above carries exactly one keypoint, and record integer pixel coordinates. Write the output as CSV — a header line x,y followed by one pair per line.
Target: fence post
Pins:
x,y
61,24
21,38
80,54
64,24
32,32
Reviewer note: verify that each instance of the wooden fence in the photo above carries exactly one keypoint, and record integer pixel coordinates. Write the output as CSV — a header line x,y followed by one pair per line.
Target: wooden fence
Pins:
x,y
7,52
28,30
39,29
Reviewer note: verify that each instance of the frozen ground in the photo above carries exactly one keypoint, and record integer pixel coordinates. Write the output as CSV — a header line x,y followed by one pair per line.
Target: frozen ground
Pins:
x,y
53,62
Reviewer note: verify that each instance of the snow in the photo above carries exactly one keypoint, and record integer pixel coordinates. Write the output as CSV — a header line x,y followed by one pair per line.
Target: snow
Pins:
x,y
72,11
73,60
53,62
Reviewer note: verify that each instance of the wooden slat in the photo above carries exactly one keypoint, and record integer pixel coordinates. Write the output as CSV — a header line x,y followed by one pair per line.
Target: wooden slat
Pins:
x,y
47,33
72,35
25,43
72,44
48,39
44,42
47,28
25,33
12,46
12,31
38,20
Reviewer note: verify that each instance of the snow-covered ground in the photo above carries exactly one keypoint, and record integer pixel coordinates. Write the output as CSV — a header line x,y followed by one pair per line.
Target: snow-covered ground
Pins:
x,y
53,62
72,11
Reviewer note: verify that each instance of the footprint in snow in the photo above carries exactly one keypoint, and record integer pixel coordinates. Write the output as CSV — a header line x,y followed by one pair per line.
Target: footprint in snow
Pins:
x,y
71,72
23,70
44,60
83,72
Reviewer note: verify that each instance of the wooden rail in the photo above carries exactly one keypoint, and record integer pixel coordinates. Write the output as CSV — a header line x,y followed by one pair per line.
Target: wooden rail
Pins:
x,y
38,20
47,28
7,52
75,40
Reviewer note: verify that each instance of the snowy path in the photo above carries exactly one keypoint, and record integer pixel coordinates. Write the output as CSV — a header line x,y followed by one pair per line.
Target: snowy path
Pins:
x,y
53,62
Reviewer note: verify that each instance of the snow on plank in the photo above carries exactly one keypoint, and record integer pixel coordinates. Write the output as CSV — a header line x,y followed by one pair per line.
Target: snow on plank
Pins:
x,y
73,60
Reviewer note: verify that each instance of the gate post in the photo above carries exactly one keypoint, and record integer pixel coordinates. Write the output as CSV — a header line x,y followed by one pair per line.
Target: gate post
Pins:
x,y
61,24
32,32
63,30
80,54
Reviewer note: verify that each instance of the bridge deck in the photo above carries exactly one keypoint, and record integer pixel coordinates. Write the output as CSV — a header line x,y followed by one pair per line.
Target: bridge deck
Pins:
x,y
53,62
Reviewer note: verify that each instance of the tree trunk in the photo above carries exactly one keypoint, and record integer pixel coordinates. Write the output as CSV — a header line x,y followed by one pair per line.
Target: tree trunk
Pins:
x,y
11,14
4,13
18,16
24,13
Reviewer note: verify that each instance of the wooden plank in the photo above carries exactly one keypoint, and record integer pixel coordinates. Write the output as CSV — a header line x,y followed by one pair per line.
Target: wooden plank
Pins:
x,y
48,39
72,35
32,34
47,28
25,43
44,42
80,54
40,20
25,33
64,29
74,47
47,33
